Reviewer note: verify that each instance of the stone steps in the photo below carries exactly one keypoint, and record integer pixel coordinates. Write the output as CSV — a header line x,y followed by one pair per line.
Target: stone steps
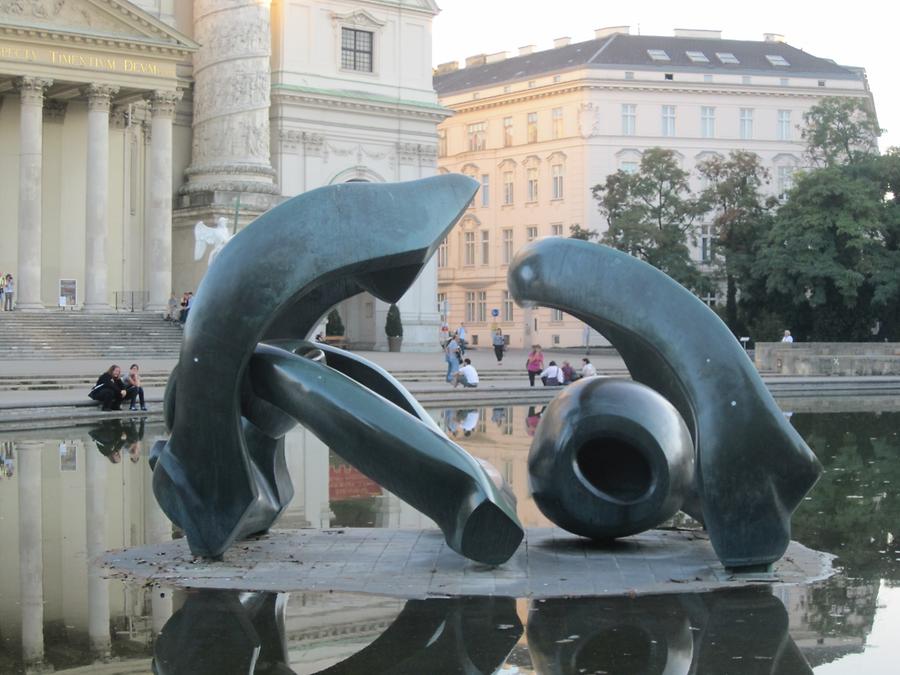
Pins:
x,y
64,335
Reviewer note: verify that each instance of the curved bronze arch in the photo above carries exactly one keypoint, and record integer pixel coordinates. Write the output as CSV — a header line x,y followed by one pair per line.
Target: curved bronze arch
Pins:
x,y
753,468
220,476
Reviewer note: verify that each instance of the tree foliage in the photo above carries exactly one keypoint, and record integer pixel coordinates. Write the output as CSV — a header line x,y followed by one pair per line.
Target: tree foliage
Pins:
x,y
334,325
393,326
651,214
741,218
839,131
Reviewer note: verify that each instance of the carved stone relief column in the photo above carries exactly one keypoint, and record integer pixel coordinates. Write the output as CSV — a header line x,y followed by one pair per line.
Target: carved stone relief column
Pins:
x,y
31,95
96,295
232,84
158,264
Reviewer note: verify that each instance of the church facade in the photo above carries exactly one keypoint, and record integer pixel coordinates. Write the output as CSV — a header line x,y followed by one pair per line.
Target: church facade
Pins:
x,y
123,124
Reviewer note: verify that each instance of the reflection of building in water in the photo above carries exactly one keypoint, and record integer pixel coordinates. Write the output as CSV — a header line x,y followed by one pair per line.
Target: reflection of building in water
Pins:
x,y
830,620
57,512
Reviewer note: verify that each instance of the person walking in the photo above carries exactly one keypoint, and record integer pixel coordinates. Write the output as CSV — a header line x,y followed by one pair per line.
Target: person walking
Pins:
x,y
461,338
9,291
535,363
133,387
499,345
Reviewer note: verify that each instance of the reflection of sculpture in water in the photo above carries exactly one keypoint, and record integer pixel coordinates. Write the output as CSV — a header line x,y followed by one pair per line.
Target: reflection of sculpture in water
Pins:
x,y
113,436
216,237
232,632
665,634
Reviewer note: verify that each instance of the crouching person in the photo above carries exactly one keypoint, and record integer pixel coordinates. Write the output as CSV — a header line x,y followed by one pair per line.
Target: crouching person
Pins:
x,y
109,390
466,376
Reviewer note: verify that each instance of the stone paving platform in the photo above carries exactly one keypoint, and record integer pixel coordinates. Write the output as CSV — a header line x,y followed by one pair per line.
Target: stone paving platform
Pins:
x,y
418,564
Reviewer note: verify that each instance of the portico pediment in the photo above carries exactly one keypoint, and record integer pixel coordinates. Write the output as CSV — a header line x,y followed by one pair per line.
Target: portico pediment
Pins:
x,y
117,20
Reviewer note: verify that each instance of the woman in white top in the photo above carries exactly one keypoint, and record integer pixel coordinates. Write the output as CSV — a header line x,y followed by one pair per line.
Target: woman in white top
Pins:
x,y
588,370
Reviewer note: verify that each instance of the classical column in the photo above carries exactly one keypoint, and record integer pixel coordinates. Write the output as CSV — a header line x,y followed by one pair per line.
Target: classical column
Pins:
x,y
96,293
31,553
158,263
31,94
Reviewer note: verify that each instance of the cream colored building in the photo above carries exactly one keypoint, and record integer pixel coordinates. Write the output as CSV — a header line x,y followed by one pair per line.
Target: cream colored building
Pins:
x,y
539,129
122,124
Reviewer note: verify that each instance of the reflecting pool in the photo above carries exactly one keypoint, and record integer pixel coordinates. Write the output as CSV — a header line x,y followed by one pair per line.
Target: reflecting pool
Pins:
x,y
67,495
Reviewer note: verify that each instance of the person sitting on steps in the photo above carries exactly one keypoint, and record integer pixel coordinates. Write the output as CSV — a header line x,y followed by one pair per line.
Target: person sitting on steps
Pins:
x,y
466,376
133,387
110,390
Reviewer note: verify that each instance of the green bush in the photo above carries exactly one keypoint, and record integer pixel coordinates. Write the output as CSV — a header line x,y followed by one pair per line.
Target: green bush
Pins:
x,y
334,326
393,327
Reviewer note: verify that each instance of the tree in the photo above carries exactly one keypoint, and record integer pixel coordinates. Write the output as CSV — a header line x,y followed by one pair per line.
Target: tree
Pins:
x,y
579,232
393,326
840,130
334,325
651,214
825,254
742,216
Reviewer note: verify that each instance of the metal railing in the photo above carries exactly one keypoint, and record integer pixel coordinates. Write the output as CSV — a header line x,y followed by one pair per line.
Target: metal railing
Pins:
x,y
128,301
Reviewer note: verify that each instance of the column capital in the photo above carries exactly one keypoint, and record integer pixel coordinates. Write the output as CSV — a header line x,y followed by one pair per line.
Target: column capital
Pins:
x,y
55,110
162,103
31,89
99,95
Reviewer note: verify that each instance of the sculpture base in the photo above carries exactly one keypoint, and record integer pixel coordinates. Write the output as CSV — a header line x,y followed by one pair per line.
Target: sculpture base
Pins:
x,y
418,564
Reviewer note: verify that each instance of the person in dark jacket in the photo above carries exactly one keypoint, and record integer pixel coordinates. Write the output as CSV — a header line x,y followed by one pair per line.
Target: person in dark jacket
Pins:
x,y
110,391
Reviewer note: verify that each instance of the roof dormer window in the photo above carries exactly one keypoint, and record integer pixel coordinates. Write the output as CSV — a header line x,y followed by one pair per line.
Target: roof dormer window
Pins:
x,y
727,57
697,57
777,60
658,55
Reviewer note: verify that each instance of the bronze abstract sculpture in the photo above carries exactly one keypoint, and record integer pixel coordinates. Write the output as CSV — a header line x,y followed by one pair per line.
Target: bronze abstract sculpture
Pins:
x,y
695,431
221,475
752,468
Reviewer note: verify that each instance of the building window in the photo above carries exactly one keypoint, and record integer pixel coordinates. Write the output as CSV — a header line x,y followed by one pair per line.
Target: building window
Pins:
x,y
709,299
508,187
507,132
784,82
784,181
556,315
629,74
707,122
356,50
629,166
532,185
629,118
777,60
697,57
556,229
477,135
531,233
707,78
470,306
558,181
469,248
727,57
507,246
485,247
507,306
442,142
784,125
705,243
658,55
531,127
668,120
443,253
485,189
746,124
482,306
442,304
557,123
746,79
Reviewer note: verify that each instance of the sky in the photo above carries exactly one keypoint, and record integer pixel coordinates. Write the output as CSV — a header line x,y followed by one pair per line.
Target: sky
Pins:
x,y
861,33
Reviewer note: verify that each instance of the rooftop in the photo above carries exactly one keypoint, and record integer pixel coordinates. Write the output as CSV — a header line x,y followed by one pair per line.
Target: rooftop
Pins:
x,y
645,52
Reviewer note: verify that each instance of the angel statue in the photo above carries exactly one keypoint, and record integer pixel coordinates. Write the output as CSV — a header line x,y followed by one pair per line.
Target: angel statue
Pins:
x,y
216,237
